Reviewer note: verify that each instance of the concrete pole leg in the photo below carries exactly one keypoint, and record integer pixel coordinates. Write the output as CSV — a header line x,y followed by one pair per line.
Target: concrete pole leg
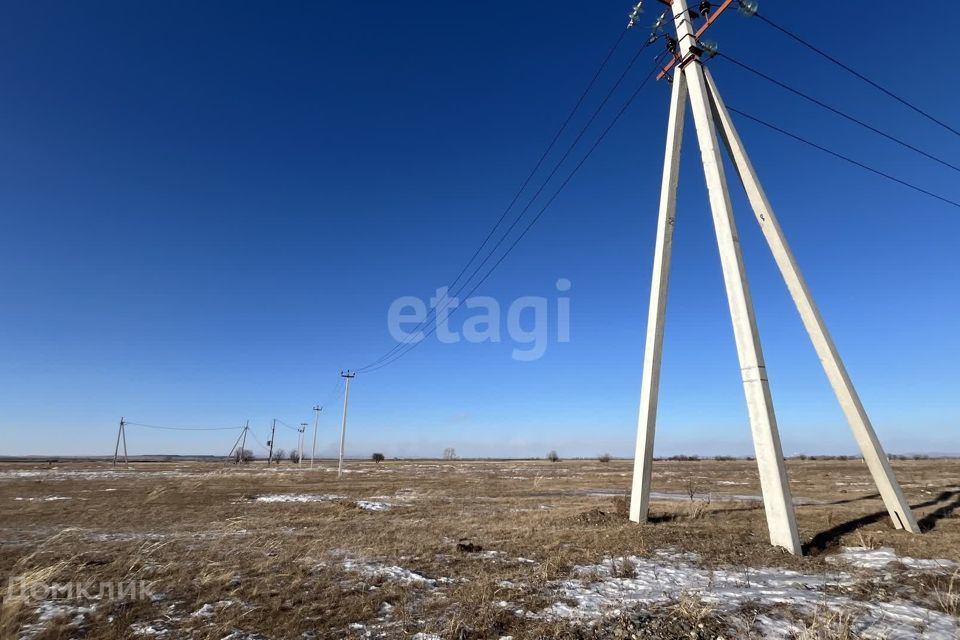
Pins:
x,y
653,352
873,454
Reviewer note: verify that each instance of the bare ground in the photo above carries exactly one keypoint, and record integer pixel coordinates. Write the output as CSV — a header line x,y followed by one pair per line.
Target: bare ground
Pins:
x,y
469,550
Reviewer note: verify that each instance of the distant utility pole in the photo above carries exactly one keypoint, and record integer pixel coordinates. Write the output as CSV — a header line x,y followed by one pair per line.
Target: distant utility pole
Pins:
x,y
273,433
316,423
241,442
243,445
121,434
303,429
343,425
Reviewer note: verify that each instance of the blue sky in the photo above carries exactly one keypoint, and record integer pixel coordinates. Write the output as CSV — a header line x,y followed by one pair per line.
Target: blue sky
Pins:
x,y
208,209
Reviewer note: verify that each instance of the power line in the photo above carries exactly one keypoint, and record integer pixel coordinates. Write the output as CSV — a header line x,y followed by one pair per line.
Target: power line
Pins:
x,y
543,157
546,206
334,393
432,316
256,439
843,157
408,345
154,426
859,75
838,112
284,424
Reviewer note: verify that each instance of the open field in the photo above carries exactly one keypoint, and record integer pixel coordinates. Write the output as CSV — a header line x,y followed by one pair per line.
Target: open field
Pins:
x,y
463,549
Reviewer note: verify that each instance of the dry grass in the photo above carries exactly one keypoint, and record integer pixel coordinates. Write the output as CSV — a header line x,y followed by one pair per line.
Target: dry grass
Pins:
x,y
476,534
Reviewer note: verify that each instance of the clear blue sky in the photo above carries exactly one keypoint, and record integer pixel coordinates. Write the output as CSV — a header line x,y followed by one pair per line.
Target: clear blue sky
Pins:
x,y
209,207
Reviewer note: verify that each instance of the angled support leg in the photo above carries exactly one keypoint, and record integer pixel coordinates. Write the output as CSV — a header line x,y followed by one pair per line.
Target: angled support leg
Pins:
x,y
870,447
116,449
650,385
777,499
123,430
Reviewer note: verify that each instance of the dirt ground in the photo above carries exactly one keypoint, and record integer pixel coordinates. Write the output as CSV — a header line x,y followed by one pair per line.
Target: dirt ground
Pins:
x,y
463,549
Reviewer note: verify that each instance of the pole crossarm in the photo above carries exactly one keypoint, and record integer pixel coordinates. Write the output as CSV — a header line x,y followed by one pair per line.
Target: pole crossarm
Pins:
x,y
693,55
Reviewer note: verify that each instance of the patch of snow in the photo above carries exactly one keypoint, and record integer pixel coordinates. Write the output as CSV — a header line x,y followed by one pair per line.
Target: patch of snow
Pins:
x,y
45,499
403,496
666,578
391,573
368,505
303,497
88,474
154,629
47,612
865,558
773,629
209,609
425,636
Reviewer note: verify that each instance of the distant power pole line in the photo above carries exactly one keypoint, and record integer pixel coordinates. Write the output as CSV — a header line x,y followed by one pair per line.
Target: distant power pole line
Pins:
x,y
303,429
121,435
273,433
316,423
348,376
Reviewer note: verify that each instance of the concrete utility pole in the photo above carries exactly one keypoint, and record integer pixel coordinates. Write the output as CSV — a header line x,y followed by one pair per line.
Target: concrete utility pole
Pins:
x,y
243,445
316,423
710,116
121,435
303,429
234,451
273,433
343,425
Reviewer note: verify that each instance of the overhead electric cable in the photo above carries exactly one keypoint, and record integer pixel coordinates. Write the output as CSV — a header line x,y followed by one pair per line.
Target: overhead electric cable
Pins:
x,y
543,209
405,344
334,392
527,180
154,426
543,156
257,440
838,112
284,424
859,75
843,157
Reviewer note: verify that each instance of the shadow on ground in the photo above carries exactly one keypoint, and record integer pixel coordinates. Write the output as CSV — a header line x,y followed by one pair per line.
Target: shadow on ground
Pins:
x,y
831,537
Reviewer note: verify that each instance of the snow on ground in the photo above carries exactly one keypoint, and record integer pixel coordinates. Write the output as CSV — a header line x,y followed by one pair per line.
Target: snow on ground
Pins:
x,y
391,573
403,496
49,611
86,474
45,499
596,591
305,497
368,505
207,610
865,558
156,629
